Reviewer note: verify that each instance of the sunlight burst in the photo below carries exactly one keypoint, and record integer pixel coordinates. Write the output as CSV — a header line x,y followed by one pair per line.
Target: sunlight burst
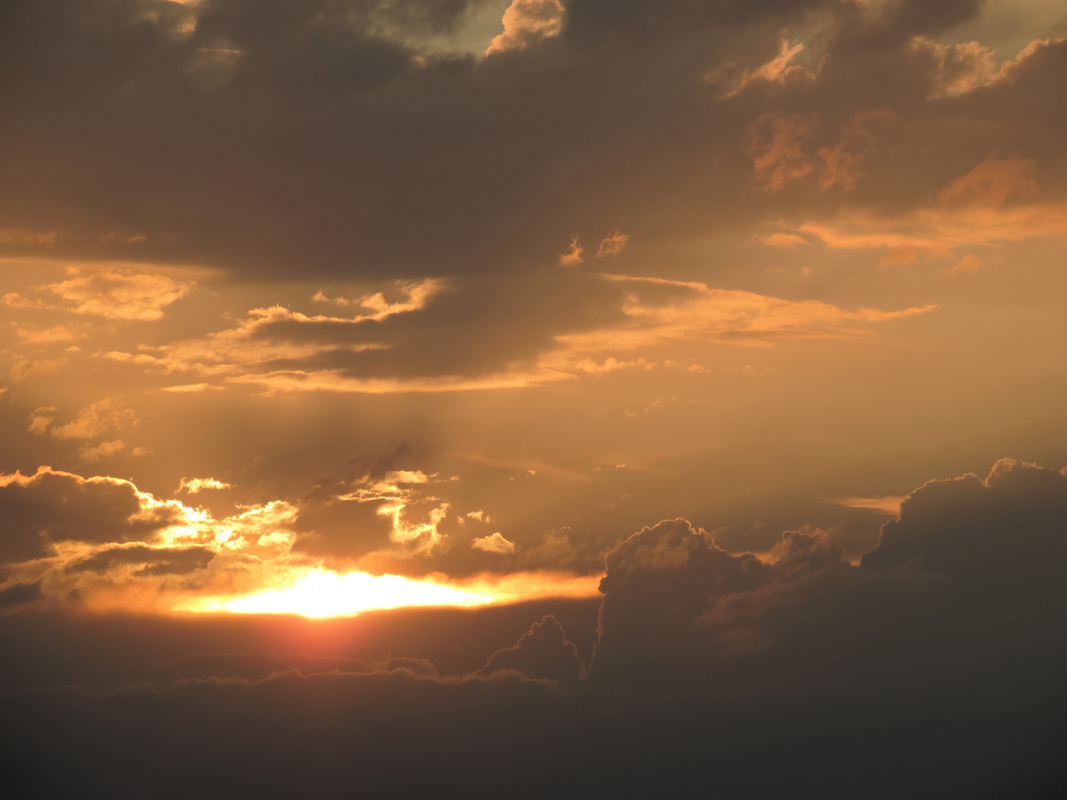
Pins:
x,y
327,594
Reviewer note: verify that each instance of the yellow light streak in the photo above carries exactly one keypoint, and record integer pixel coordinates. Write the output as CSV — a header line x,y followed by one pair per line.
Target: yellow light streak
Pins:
x,y
320,593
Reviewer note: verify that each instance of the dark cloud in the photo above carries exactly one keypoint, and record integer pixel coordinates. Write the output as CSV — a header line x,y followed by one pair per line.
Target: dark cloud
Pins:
x,y
155,560
657,583
542,652
936,665
299,138
967,580
18,593
50,507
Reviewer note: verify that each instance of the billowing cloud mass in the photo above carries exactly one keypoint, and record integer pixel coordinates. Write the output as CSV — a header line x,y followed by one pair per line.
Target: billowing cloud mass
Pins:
x,y
740,636
527,22
533,397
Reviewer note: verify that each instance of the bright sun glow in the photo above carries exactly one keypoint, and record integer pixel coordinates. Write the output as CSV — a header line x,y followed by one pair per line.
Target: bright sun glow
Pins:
x,y
327,594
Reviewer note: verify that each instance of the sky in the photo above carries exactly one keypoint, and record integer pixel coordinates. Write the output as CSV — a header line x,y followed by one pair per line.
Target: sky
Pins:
x,y
558,395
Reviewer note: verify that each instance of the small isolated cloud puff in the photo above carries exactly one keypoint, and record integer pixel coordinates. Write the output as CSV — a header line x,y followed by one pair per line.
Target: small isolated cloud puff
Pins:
x,y
573,256
194,485
88,453
494,544
787,241
120,293
103,416
40,419
527,22
613,244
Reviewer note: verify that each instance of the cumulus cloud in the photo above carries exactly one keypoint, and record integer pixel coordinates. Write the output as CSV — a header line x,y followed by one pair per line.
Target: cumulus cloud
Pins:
x,y
678,608
542,652
527,22
494,543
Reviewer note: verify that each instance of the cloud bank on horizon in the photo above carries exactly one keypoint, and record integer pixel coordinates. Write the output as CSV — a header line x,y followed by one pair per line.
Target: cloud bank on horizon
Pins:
x,y
454,311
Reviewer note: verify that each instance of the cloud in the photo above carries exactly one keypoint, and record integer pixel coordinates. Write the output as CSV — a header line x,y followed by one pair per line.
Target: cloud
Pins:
x,y
517,331
22,368
960,69
194,485
613,244
527,22
150,561
542,652
90,453
731,80
106,415
24,236
777,144
16,594
54,335
16,300
495,543
191,388
51,507
886,505
789,241
1001,528
573,256
120,293
679,609
992,204
40,419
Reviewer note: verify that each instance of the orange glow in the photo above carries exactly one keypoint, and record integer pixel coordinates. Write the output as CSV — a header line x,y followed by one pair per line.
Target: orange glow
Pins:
x,y
328,594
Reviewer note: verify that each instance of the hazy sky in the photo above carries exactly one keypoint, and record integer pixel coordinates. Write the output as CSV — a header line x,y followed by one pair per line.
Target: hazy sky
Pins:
x,y
500,299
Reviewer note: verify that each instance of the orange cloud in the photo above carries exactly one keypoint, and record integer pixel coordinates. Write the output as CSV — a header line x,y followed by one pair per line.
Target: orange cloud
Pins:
x,y
573,256
613,244
119,293
98,418
777,145
732,81
959,69
527,22
986,207
495,543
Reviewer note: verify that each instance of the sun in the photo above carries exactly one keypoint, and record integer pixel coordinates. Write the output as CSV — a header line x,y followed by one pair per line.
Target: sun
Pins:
x,y
321,593
327,594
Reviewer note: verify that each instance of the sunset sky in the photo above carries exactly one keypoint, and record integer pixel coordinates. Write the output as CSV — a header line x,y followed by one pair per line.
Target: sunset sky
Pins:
x,y
715,348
